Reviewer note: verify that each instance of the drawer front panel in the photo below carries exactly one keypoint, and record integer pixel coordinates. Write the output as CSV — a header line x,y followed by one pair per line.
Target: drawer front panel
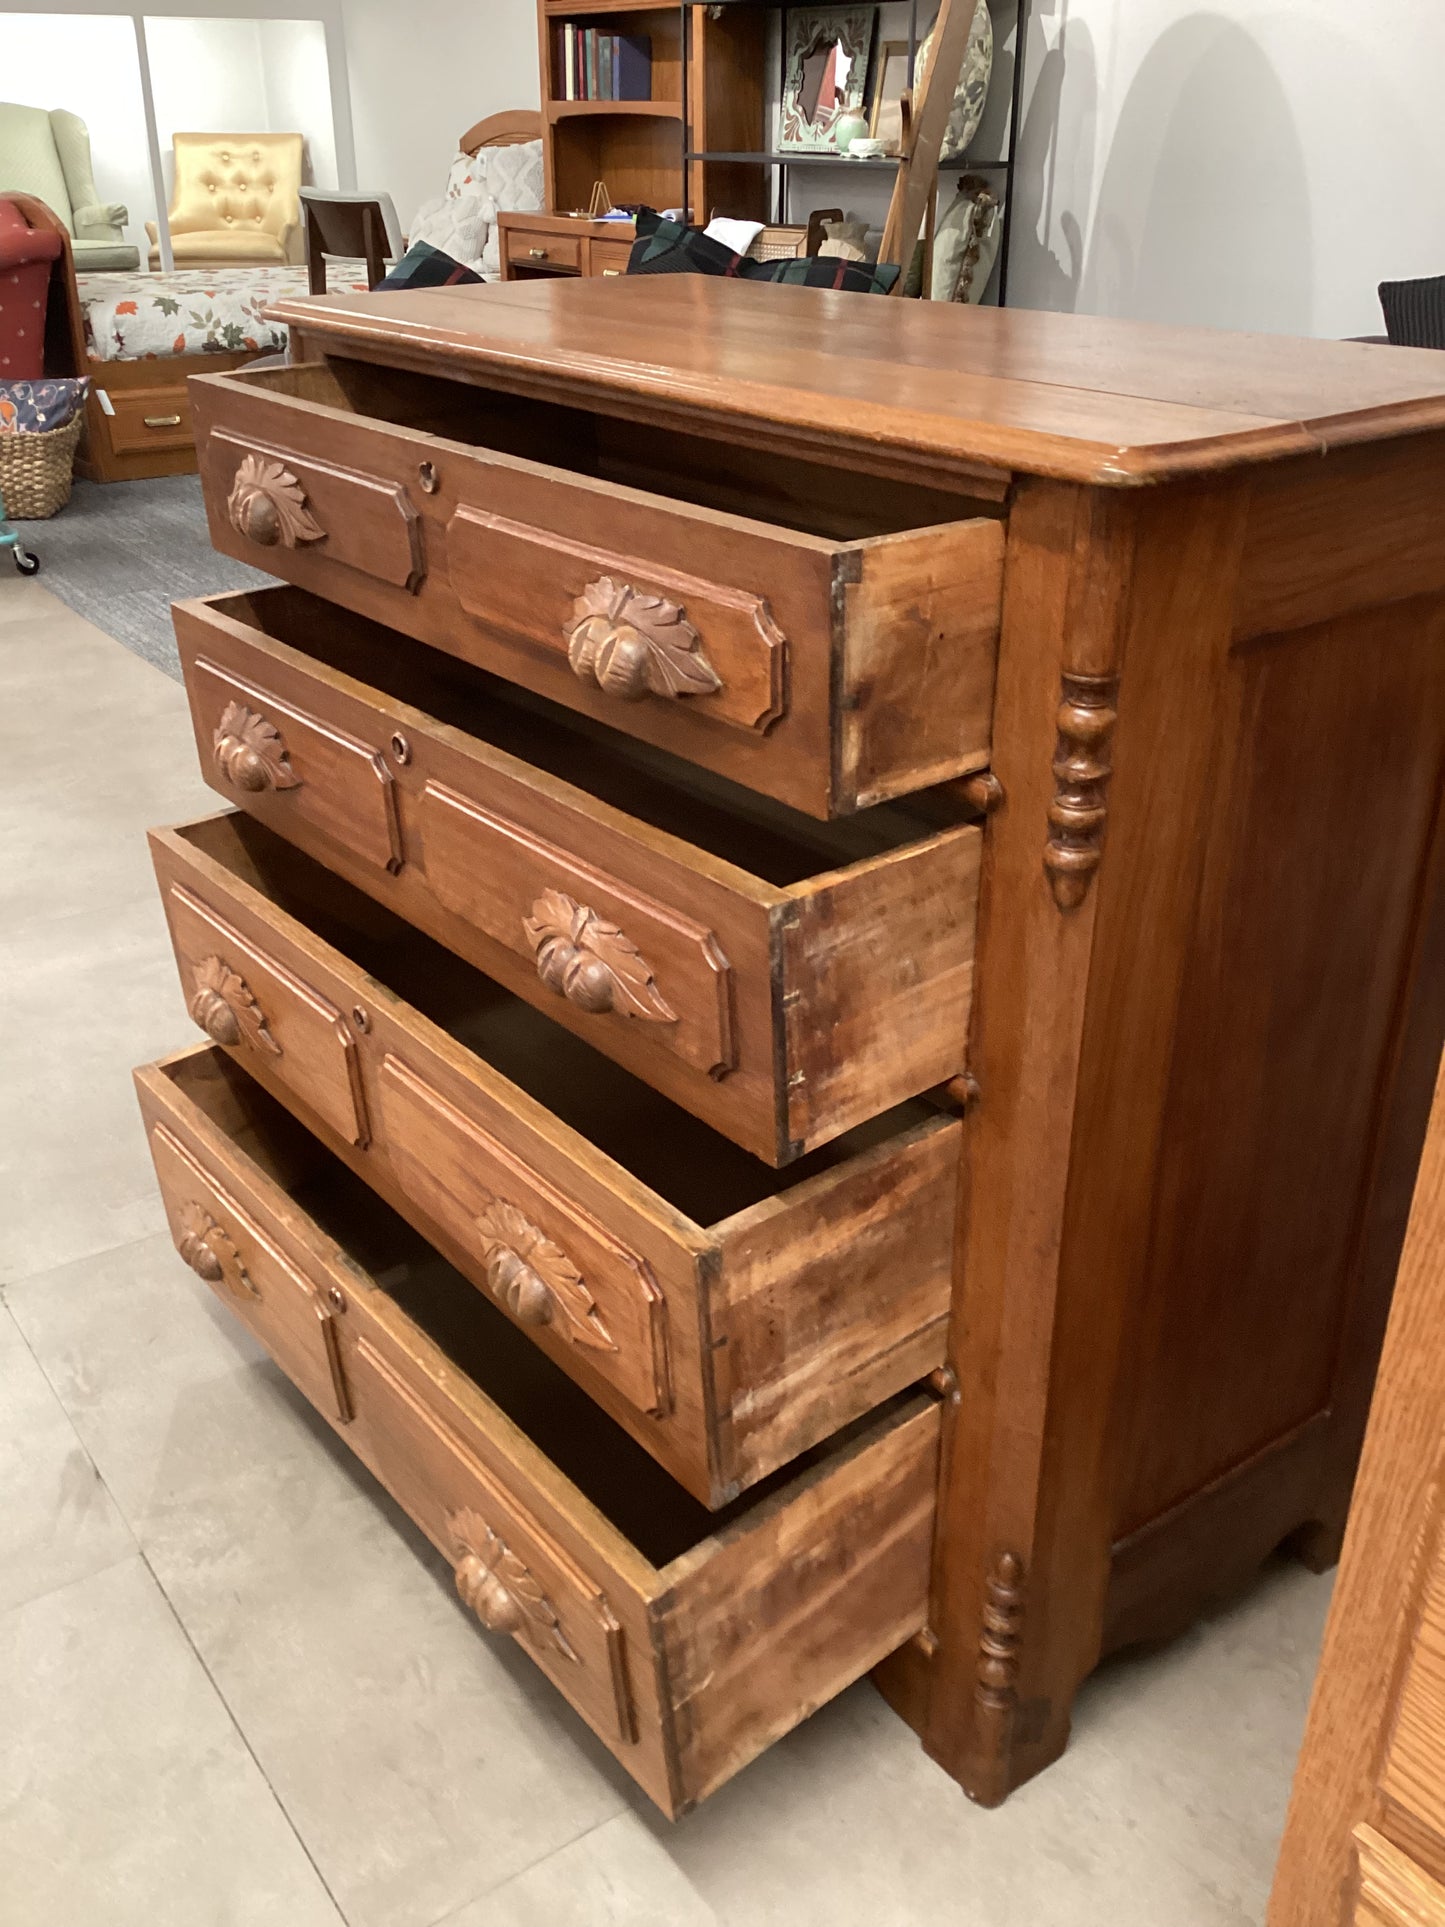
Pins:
x,y
608,951
543,249
626,626
224,1245
260,745
779,1016
610,257
509,1570
146,419
278,501
545,1260
245,998
687,1670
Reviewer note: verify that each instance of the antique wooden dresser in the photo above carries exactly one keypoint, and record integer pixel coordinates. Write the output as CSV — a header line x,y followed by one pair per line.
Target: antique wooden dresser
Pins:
x,y
824,982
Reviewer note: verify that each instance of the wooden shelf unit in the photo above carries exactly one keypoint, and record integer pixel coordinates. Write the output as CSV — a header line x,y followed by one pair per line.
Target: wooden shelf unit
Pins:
x,y
636,146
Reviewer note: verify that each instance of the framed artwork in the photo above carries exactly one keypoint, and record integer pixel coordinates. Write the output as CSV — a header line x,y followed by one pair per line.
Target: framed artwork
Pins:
x,y
826,65
887,84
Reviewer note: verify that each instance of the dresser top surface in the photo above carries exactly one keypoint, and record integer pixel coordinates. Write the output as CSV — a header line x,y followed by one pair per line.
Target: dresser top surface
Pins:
x,y
1070,396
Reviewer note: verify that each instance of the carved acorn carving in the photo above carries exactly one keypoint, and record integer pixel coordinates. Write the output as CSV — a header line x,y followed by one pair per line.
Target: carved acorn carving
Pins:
x,y
633,645
208,1250
590,962
222,1004
499,1587
535,1279
268,505
250,752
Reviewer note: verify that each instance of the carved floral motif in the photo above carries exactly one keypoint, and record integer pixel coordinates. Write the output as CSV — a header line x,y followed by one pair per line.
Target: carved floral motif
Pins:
x,y
268,505
208,1250
590,962
635,645
1082,768
535,1279
250,752
222,1004
499,1588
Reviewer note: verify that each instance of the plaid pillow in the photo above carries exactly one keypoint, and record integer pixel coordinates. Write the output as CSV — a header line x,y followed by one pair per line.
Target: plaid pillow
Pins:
x,y
824,271
667,247
423,266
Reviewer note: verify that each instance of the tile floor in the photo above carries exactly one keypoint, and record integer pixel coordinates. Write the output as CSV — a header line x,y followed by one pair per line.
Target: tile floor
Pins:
x,y
235,1686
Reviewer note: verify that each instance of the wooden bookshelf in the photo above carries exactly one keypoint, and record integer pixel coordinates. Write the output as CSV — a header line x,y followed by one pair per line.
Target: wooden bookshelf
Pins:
x,y
636,146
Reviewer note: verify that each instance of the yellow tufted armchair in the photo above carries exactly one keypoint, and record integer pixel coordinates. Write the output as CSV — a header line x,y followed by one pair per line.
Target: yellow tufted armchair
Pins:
x,y
236,201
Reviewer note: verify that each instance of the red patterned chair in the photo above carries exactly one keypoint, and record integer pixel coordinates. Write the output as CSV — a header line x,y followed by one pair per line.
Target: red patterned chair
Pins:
x,y
28,254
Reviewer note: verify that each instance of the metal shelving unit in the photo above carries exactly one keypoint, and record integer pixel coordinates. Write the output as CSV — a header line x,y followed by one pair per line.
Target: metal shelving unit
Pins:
x,y
1005,165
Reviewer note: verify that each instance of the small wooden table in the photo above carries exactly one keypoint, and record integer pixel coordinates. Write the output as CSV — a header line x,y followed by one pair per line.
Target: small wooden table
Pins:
x,y
566,244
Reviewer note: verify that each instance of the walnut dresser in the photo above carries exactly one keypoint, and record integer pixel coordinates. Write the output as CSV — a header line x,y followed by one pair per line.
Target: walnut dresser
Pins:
x,y
823,980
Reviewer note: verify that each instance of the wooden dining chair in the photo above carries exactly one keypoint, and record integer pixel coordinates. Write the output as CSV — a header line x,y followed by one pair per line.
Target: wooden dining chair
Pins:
x,y
351,226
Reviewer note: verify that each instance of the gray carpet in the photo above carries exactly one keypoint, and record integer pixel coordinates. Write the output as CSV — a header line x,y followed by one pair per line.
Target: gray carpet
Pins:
x,y
120,553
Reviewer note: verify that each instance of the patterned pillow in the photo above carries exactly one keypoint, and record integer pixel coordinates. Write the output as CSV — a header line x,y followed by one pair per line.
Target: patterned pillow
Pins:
x,y
34,407
459,225
513,176
423,266
824,271
667,247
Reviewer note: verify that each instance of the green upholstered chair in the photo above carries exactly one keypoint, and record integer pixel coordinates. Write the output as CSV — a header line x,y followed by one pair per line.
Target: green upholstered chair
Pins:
x,y
48,155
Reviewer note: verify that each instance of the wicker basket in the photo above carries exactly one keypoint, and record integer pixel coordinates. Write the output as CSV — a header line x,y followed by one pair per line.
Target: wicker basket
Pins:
x,y
36,467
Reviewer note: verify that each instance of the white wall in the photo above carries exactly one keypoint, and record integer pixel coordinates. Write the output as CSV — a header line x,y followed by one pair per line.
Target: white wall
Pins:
x,y
422,73
241,76
1240,165
88,64
294,74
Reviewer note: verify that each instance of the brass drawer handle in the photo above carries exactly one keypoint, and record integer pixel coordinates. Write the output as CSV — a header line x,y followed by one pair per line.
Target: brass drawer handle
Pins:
x,y
250,752
268,505
633,645
609,273
222,1004
500,1589
535,1279
161,421
536,254
591,963
208,1250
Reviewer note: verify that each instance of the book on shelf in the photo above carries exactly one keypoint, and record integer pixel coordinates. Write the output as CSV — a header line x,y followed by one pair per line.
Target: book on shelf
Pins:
x,y
604,66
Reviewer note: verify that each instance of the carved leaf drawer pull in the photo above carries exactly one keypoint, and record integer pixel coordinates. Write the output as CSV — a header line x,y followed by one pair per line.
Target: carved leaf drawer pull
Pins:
x,y
208,1250
222,1004
499,1588
250,752
635,645
590,962
268,505
535,1279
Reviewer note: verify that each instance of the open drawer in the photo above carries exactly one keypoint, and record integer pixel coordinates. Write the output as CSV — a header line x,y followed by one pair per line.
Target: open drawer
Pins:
x,y
781,978
827,639
727,1315
687,1641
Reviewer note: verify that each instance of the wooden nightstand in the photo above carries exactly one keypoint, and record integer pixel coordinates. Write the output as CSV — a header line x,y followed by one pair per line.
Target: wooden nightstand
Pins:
x,y
537,244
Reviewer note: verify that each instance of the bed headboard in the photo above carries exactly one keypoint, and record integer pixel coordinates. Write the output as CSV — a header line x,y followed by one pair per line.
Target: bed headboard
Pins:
x,y
503,130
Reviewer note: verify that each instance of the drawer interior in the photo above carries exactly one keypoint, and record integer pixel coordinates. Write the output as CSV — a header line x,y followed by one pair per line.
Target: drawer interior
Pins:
x,y
767,485
700,1172
622,1480
763,838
